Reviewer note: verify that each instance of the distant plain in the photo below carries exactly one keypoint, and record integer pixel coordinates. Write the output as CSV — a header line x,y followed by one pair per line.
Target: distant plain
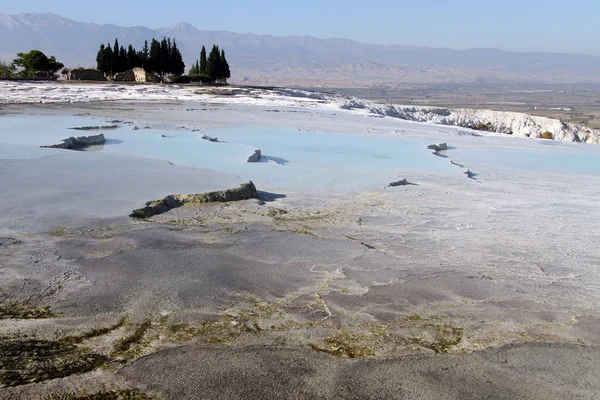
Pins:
x,y
575,103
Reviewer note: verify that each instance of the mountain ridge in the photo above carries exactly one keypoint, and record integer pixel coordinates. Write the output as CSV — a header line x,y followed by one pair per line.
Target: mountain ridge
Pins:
x,y
279,59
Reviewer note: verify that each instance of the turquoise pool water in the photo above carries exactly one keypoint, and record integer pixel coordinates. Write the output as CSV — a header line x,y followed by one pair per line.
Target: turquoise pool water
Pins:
x,y
298,160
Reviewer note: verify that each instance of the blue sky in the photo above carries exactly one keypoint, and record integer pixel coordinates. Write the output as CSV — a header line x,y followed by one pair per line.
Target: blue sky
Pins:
x,y
525,25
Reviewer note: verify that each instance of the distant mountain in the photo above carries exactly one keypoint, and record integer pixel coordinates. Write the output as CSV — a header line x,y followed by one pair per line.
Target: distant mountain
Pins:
x,y
299,60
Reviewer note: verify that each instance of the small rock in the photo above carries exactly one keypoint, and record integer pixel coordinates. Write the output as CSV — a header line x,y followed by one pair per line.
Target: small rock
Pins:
x,y
403,182
210,139
470,174
438,147
256,156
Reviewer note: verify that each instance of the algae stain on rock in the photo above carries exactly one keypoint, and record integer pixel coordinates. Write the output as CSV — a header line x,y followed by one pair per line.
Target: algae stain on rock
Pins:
x,y
346,344
244,192
25,311
32,360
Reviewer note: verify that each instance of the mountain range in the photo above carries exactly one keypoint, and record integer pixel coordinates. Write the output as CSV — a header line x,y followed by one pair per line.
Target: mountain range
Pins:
x,y
300,60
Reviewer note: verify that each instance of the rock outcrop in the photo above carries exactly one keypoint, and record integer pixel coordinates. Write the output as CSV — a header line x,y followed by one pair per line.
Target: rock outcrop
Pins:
x,y
255,157
78,143
132,75
82,74
507,122
244,192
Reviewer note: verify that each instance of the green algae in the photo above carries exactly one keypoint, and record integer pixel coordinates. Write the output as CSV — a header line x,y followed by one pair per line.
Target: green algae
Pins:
x,y
128,344
445,339
346,344
94,333
28,360
32,360
19,310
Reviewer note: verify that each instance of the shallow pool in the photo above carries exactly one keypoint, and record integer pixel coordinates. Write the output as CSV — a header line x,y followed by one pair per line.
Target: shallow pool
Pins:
x,y
292,159
298,160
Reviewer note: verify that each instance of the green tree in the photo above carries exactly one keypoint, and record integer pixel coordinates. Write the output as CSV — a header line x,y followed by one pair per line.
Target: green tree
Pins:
x,y
177,64
213,64
116,60
7,70
164,57
203,62
144,54
123,59
132,58
100,62
108,60
224,72
35,64
154,57
195,70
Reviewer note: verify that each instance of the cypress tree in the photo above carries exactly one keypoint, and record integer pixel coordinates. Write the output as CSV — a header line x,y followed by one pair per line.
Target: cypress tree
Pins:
x,y
177,64
154,57
203,62
225,73
116,61
213,64
131,57
108,59
164,57
170,60
144,54
123,59
100,63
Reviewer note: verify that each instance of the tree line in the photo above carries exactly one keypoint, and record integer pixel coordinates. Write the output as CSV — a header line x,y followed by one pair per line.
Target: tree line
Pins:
x,y
162,58
32,65
215,66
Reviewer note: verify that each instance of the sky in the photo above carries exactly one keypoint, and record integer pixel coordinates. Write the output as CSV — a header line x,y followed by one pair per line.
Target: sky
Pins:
x,y
569,26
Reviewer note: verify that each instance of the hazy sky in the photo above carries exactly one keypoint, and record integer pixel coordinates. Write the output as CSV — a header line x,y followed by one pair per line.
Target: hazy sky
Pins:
x,y
525,25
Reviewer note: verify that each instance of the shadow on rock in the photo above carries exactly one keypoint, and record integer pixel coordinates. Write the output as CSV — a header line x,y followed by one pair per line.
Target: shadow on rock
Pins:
x,y
278,160
268,197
